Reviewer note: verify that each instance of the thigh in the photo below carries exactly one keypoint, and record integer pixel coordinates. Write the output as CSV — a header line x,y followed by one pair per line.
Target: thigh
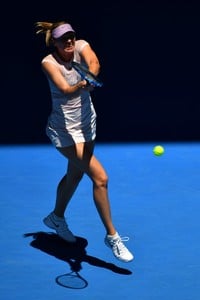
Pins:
x,y
73,172
81,156
78,152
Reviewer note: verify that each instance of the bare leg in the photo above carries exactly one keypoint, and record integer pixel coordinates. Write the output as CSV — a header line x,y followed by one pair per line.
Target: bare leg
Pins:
x,y
81,160
81,155
100,193
66,188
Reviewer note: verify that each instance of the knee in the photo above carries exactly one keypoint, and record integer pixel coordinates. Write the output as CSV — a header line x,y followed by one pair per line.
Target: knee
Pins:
x,y
101,180
74,178
77,177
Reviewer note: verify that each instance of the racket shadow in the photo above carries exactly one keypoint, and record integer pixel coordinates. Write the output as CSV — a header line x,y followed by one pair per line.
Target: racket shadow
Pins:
x,y
72,253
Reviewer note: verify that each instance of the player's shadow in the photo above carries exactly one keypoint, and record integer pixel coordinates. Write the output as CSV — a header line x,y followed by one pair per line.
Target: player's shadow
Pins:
x,y
72,253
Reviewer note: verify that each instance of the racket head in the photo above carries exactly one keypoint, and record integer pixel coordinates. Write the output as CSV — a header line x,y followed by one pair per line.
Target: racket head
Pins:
x,y
87,75
72,280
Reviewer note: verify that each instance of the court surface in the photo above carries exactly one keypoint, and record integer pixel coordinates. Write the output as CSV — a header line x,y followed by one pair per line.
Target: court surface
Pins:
x,y
155,201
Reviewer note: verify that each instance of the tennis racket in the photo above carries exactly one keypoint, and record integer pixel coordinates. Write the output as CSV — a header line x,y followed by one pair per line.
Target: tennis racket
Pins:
x,y
86,74
72,280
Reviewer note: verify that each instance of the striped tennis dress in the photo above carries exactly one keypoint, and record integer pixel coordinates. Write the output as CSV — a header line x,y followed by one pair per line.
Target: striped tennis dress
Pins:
x,y
73,118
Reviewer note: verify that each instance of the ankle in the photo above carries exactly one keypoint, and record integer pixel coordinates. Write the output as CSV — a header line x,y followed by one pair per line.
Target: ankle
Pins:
x,y
57,215
112,234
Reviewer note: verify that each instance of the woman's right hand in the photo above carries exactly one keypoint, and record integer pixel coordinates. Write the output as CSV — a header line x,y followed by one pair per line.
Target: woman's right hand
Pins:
x,y
82,84
86,86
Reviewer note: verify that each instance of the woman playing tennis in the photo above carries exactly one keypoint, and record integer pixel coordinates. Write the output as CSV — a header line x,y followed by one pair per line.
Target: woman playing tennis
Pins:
x,y
71,127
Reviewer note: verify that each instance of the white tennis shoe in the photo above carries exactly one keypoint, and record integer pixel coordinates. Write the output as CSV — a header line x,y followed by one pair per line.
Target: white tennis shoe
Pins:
x,y
119,249
60,226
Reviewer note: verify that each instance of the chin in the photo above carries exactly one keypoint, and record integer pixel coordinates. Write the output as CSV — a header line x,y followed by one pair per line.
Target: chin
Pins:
x,y
69,50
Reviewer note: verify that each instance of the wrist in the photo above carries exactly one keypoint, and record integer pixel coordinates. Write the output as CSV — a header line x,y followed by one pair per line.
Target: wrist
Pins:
x,y
81,84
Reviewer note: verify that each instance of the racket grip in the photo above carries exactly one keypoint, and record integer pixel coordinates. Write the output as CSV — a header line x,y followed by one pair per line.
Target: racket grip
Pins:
x,y
82,83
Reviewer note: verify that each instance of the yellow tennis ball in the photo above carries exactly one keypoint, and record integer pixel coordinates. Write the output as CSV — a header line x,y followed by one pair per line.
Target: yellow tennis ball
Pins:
x,y
158,150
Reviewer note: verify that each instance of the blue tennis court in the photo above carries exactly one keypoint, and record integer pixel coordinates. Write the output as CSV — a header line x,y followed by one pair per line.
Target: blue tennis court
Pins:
x,y
155,201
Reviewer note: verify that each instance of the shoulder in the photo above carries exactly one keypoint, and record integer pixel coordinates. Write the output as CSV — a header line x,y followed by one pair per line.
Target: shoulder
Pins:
x,y
80,44
49,58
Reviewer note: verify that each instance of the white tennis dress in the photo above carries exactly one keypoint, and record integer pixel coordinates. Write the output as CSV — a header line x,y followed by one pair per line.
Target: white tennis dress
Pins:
x,y
73,117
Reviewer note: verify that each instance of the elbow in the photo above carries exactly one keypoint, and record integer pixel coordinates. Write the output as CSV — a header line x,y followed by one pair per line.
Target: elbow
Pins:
x,y
95,68
98,68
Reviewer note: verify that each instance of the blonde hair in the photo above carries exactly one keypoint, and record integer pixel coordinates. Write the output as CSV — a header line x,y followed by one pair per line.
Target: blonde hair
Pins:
x,y
46,28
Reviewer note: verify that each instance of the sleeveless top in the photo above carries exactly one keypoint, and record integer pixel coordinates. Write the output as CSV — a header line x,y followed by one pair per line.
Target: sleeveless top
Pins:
x,y
73,117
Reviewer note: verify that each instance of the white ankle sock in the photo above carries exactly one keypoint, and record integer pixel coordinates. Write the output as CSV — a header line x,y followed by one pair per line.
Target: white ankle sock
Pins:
x,y
56,217
114,236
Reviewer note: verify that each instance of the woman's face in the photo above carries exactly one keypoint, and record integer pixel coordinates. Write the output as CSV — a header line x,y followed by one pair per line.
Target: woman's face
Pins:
x,y
66,42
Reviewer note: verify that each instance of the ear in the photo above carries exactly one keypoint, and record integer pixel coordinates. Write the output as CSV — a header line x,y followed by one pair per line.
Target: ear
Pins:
x,y
52,42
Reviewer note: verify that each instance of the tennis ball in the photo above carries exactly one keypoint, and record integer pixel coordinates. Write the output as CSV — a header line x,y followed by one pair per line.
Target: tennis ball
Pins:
x,y
158,150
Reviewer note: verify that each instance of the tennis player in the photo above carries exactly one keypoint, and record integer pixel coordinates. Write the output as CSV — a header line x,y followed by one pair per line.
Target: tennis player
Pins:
x,y
71,127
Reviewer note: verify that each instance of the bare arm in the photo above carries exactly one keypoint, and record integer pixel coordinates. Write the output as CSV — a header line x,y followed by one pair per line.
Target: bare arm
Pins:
x,y
91,59
56,76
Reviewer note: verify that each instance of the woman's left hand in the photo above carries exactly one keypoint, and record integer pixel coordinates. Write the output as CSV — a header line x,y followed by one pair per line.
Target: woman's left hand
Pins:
x,y
88,87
